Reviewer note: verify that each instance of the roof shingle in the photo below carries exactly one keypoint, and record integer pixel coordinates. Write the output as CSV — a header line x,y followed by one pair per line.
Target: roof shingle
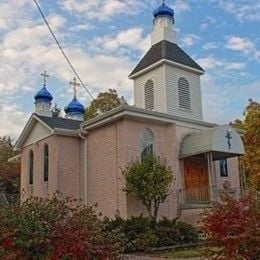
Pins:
x,y
61,123
168,51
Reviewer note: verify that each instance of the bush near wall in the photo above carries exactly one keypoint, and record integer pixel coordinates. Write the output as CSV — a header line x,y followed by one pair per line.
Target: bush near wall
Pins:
x,y
55,229
232,228
141,234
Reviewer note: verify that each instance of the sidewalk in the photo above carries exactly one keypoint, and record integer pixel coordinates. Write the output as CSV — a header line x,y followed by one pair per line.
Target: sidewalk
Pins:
x,y
139,257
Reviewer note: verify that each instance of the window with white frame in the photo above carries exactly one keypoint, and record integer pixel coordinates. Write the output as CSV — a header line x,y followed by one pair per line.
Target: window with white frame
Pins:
x,y
223,168
31,167
147,143
46,163
184,93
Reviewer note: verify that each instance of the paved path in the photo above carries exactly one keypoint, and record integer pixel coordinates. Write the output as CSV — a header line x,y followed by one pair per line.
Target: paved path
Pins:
x,y
136,257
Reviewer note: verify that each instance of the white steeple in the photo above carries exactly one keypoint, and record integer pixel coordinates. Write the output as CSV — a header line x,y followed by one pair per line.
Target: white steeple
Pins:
x,y
163,25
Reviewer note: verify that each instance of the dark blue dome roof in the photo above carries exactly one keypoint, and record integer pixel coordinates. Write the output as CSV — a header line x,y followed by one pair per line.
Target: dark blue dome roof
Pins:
x,y
43,95
163,10
74,107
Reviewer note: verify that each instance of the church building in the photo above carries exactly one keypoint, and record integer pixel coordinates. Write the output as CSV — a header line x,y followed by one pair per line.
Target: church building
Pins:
x,y
84,159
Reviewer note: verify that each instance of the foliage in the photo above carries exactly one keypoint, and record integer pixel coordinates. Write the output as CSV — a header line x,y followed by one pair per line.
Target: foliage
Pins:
x,y
150,181
54,229
173,232
251,138
232,229
142,234
105,102
9,172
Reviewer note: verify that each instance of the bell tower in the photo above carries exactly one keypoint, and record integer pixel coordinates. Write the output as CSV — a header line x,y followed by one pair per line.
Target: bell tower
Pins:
x,y
167,79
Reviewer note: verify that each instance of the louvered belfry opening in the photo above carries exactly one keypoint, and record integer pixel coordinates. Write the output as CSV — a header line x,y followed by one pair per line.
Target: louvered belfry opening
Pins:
x,y
184,93
149,95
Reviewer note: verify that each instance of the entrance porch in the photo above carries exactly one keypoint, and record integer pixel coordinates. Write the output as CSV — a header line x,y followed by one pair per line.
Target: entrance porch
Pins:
x,y
199,156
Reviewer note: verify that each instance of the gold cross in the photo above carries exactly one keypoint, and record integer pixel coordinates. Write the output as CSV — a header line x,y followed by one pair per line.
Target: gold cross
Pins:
x,y
75,84
45,76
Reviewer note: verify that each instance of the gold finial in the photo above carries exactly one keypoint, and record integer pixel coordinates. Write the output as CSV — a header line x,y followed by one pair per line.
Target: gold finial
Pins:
x,y
75,84
45,76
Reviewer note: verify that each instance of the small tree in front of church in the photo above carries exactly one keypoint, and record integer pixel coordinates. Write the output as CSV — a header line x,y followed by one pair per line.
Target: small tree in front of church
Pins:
x,y
150,181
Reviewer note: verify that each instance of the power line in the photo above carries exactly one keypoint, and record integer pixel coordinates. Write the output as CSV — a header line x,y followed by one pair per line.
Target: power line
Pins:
x,y
61,49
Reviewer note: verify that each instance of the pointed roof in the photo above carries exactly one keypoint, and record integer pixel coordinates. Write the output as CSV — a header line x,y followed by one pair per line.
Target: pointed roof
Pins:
x,y
165,50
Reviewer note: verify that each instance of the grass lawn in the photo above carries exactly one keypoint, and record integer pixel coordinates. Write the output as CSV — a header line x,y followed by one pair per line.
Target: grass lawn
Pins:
x,y
184,254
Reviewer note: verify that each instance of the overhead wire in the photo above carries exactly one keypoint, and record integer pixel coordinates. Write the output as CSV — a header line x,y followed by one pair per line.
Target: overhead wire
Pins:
x,y
61,49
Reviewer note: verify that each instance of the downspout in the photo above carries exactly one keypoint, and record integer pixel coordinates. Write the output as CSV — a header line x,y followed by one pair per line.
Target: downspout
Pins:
x,y
83,135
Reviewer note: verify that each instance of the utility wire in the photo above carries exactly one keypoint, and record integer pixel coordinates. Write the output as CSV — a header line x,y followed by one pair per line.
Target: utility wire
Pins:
x,y
61,49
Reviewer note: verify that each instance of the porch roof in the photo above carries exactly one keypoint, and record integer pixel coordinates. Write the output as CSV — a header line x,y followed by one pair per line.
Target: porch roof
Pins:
x,y
222,141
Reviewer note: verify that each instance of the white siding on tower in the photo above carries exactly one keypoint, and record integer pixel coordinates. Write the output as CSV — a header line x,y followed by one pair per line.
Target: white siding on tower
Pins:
x,y
157,75
172,75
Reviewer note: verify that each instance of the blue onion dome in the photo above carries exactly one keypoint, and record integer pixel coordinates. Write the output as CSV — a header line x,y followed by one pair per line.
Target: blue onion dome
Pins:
x,y
164,10
43,95
74,107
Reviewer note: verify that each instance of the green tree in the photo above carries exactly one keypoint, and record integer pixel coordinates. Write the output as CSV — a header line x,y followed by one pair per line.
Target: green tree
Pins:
x,y
9,172
150,181
55,229
251,125
105,102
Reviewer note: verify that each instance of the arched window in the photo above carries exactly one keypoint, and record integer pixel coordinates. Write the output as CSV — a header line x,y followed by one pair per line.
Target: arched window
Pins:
x,y
184,93
149,95
46,163
31,165
147,143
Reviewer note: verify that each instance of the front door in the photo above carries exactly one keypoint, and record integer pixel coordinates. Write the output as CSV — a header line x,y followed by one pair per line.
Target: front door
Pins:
x,y
196,180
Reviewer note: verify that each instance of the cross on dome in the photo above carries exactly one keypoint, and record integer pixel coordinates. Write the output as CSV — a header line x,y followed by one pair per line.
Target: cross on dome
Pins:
x,y
74,84
45,76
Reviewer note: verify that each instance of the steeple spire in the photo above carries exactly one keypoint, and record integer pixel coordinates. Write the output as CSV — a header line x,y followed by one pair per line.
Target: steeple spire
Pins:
x,y
45,76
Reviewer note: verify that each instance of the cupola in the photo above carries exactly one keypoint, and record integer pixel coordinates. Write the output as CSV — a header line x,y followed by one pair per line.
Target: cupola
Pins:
x,y
164,11
43,99
75,110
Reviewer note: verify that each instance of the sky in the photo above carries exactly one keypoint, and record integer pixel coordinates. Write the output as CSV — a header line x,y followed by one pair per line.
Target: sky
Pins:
x,y
106,38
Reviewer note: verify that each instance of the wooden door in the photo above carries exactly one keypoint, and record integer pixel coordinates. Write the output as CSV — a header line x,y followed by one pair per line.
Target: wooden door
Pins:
x,y
196,181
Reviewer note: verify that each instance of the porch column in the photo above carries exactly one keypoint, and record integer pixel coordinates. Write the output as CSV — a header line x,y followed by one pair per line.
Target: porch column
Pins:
x,y
212,178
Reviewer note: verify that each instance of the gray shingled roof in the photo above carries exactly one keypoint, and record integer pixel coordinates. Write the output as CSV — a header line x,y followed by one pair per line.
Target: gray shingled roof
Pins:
x,y
61,123
168,51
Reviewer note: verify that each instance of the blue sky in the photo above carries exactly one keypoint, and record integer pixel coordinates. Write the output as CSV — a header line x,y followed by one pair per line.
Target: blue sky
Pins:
x,y
106,38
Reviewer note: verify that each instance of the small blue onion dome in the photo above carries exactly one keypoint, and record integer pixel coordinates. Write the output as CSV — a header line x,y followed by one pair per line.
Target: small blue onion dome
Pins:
x,y
74,107
163,10
43,96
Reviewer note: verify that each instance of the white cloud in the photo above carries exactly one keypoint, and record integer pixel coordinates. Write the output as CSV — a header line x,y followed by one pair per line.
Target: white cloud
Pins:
x,y
189,40
180,6
243,10
101,9
208,22
210,46
211,62
243,45
132,39
218,97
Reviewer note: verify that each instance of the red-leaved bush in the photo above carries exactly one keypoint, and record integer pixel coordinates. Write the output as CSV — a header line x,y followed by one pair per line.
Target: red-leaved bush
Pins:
x,y
232,229
55,229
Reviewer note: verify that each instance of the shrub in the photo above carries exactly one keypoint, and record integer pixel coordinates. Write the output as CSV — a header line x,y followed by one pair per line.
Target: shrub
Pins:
x,y
174,232
54,229
232,227
142,234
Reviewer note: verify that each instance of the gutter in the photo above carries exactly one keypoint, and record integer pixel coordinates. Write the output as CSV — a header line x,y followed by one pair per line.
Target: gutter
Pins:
x,y
83,135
